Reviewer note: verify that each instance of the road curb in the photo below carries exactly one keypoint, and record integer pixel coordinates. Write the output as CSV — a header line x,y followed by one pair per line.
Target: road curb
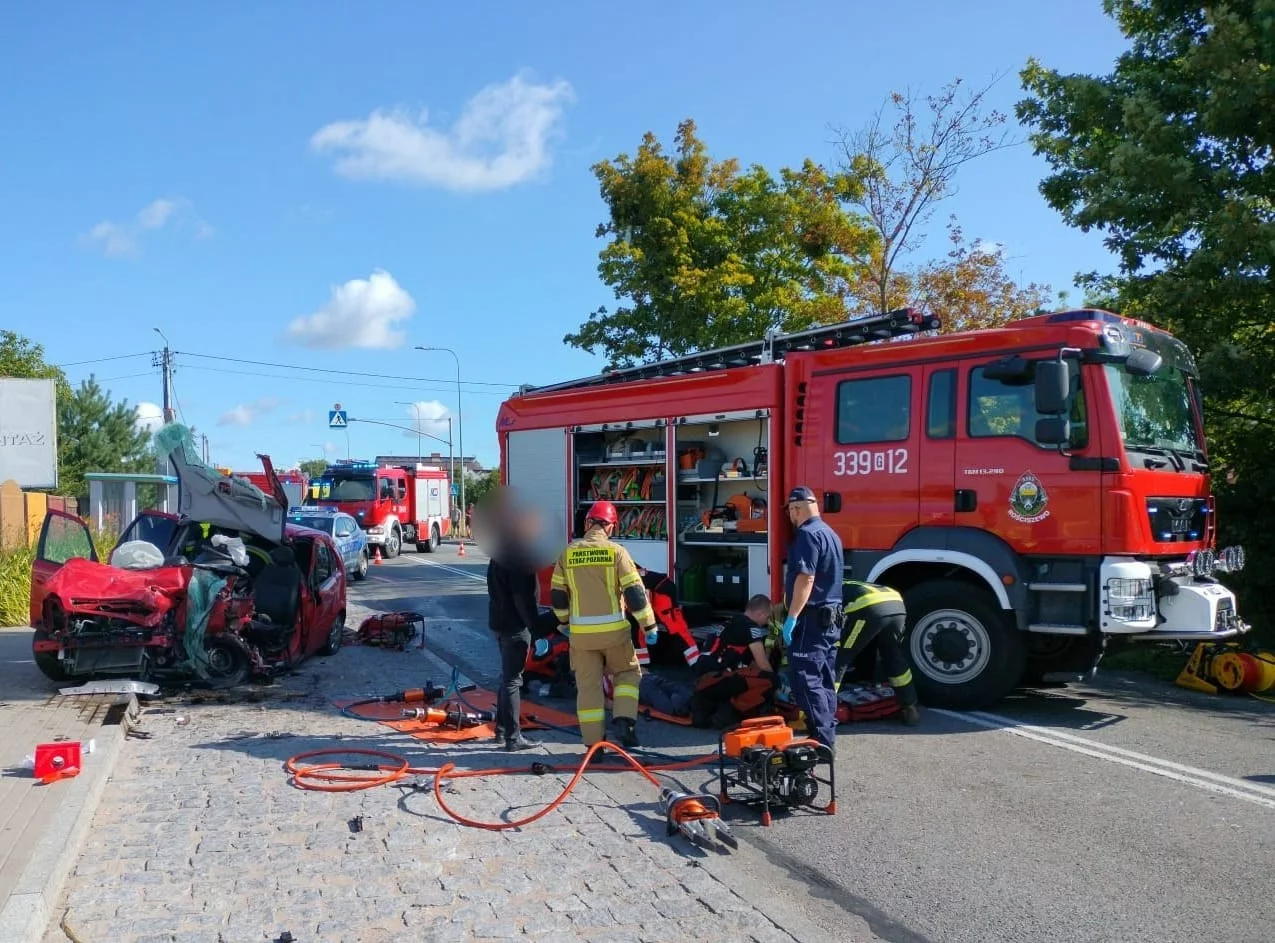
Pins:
x,y
26,915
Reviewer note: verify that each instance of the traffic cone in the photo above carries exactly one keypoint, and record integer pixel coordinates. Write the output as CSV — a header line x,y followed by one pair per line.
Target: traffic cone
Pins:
x,y
461,552
376,557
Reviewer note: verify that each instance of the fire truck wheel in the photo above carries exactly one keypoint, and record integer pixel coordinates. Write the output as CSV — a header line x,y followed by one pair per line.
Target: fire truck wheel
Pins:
x,y
393,543
48,662
360,569
432,543
335,636
965,652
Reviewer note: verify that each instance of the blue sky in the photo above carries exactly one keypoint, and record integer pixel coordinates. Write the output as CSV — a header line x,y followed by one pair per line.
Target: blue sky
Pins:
x,y
328,184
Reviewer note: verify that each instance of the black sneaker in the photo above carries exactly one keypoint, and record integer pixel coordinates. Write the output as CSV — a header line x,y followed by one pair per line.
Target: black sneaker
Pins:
x,y
521,743
911,715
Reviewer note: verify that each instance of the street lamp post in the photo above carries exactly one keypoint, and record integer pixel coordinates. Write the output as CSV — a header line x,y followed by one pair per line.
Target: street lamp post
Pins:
x,y
451,448
460,423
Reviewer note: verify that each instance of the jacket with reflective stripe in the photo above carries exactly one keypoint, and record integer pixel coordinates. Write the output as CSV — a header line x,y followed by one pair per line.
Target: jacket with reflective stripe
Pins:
x,y
593,580
860,596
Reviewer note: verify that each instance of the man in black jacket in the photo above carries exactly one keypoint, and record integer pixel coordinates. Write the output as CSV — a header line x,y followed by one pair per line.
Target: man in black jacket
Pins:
x,y
512,591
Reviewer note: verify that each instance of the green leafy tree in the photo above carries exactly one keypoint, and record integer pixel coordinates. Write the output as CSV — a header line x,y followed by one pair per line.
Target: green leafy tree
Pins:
x,y
24,360
1169,157
478,487
313,467
703,254
970,289
97,434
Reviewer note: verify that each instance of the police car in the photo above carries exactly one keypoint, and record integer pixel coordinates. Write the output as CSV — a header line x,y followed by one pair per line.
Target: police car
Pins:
x,y
344,531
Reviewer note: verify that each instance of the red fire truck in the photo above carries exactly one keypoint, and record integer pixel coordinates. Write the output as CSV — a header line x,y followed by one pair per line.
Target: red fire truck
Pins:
x,y
1034,490
392,503
294,483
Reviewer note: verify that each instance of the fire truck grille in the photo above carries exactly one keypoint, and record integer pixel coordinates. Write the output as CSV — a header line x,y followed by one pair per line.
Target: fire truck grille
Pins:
x,y
1227,619
1177,520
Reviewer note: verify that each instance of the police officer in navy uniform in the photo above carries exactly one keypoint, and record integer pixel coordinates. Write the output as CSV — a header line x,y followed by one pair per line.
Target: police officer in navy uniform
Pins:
x,y
812,629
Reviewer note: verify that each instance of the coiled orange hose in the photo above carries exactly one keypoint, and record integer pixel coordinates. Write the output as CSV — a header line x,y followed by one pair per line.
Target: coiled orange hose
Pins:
x,y
342,777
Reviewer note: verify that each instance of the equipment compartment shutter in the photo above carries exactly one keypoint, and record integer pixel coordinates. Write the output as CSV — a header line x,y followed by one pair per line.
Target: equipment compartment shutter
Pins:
x,y
537,468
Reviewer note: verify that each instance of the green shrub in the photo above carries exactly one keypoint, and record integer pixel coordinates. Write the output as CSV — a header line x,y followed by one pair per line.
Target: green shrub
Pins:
x,y
15,586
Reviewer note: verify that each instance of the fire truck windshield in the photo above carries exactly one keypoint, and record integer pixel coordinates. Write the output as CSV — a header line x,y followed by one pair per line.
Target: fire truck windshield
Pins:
x,y
345,488
1157,414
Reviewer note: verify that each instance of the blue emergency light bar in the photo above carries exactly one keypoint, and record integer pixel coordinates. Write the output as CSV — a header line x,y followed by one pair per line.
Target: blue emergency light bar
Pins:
x,y
355,463
1086,314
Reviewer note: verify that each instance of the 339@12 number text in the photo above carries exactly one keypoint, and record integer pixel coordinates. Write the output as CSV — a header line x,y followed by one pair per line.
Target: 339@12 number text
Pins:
x,y
870,461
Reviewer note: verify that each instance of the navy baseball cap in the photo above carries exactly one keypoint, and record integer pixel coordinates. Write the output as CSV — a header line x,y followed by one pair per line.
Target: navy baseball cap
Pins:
x,y
800,493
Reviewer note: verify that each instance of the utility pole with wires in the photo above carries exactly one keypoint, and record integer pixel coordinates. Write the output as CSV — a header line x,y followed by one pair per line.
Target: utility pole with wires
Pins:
x,y
165,361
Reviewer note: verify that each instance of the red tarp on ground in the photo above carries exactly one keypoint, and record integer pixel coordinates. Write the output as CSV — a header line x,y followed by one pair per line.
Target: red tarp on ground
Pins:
x,y
534,716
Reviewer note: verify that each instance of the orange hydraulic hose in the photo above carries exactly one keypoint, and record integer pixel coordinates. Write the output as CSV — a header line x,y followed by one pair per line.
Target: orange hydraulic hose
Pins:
x,y
324,777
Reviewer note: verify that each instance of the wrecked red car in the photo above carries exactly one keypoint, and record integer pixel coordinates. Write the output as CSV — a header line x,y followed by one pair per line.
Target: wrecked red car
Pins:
x,y
222,591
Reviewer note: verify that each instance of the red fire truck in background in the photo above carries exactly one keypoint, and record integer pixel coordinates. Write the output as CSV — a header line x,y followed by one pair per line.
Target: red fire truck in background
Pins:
x,y
393,504
294,483
1034,490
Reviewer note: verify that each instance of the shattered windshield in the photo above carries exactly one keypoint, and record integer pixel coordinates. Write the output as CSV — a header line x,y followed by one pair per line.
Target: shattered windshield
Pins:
x,y
347,489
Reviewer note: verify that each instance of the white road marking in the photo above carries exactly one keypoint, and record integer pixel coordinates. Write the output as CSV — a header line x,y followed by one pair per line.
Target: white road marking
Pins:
x,y
450,569
1188,775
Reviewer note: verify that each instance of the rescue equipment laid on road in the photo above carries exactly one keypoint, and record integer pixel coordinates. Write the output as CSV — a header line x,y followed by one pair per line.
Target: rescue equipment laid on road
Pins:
x,y
698,817
774,768
1217,667
391,629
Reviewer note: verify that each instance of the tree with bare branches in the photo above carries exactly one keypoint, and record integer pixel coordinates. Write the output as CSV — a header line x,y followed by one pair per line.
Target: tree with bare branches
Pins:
x,y
909,165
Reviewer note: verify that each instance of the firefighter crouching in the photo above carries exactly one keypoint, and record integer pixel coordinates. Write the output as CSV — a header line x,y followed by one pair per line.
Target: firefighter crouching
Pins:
x,y
593,581
877,612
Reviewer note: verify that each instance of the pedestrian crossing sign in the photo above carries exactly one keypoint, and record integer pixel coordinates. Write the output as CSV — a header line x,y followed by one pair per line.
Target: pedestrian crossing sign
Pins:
x,y
336,419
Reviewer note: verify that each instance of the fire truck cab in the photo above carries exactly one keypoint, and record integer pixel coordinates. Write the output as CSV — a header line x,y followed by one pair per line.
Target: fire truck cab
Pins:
x,y
1034,491
393,504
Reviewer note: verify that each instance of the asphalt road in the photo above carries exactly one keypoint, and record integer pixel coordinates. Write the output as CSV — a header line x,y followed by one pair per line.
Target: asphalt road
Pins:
x,y
1124,810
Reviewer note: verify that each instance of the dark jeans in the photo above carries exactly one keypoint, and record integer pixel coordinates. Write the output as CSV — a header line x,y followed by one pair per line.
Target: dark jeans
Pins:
x,y
513,658
811,664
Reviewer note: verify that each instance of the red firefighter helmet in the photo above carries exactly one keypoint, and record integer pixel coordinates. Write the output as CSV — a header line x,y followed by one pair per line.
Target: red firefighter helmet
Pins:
x,y
603,511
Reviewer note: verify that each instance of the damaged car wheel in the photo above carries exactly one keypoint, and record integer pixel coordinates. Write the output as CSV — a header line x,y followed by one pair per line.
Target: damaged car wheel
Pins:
x,y
336,636
227,664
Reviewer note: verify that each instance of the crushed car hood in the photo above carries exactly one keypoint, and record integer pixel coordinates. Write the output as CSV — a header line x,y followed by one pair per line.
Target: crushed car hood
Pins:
x,y
85,587
208,496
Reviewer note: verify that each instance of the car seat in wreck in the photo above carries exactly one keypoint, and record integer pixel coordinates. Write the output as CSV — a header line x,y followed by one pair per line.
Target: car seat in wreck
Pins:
x,y
276,600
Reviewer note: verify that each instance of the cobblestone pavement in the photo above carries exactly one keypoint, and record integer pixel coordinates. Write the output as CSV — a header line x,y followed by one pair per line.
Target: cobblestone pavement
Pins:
x,y
202,838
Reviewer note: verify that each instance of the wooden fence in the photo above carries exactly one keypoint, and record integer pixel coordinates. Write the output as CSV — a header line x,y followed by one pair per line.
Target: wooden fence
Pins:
x,y
22,514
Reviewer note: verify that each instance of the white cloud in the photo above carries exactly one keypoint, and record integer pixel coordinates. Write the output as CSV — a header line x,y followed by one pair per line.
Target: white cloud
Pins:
x,y
303,418
360,313
428,417
148,416
501,139
156,214
245,413
123,240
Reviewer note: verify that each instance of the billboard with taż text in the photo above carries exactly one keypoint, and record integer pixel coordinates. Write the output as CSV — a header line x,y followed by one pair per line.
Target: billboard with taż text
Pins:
x,y
29,433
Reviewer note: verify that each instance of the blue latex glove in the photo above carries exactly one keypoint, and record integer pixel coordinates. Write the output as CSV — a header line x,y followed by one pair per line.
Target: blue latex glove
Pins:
x,y
790,626
652,636
541,647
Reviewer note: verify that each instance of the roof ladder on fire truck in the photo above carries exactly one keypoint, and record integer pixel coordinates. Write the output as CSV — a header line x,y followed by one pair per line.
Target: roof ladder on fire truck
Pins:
x,y
773,347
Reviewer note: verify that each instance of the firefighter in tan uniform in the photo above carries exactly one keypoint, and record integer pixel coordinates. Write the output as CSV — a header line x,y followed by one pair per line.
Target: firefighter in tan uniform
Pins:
x,y
593,581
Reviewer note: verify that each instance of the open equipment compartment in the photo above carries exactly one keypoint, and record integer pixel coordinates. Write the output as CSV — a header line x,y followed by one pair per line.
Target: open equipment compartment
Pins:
x,y
723,508
626,463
